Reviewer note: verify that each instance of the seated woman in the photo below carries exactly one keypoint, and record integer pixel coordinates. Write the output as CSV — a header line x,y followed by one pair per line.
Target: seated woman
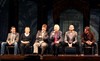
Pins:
x,y
56,38
25,40
88,40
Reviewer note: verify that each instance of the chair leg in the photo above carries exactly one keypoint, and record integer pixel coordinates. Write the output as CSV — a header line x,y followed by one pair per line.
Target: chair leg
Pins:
x,y
92,50
7,49
18,51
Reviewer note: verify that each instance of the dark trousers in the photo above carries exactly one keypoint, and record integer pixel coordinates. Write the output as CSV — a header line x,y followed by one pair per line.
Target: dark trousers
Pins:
x,y
55,48
83,45
24,48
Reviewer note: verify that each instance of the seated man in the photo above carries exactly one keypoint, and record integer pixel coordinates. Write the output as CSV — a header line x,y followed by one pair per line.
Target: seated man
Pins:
x,y
71,38
41,39
25,40
56,38
12,39
88,40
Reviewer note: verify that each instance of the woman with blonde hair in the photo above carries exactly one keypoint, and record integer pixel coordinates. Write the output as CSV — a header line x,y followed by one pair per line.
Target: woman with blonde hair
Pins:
x,y
56,38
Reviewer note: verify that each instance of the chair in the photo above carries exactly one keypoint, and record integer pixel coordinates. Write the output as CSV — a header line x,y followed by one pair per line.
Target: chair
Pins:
x,y
30,51
10,47
88,50
70,50
47,50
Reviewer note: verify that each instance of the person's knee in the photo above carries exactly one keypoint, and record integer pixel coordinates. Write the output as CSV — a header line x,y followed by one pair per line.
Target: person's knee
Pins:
x,y
44,45
36,44
3,43
15,43
96,44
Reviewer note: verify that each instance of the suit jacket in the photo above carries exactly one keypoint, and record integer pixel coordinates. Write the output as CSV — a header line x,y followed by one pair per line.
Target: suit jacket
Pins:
x,y
72,37
59,36
15,37
45,36
86,37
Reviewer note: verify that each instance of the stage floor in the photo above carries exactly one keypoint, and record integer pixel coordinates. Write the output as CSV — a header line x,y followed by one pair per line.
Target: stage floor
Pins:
x,y
49,58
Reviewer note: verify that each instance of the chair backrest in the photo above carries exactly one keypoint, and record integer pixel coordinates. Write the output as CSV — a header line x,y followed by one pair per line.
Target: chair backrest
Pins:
x,y
10,46
89,47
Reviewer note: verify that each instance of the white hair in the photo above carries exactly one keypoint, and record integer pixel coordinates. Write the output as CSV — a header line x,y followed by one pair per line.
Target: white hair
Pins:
x,y
57,26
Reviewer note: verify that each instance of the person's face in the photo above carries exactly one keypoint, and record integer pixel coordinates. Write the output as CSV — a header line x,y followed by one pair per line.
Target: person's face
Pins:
x,y
27,30
13,30
43,29
86,31
56,28
71,28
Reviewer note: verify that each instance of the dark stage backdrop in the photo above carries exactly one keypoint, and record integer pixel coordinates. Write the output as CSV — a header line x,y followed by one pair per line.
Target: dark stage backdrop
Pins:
x,y
50,21
28,16
95,22
4,16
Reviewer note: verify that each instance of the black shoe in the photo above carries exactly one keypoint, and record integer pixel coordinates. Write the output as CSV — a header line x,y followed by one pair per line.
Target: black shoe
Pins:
x,y
35,53
56,55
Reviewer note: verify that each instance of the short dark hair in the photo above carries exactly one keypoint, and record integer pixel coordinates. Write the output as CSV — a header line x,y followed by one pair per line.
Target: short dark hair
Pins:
x,y
44,25
87,28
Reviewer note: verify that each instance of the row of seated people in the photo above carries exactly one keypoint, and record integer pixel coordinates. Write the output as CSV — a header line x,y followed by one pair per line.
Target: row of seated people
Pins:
x,y
70,40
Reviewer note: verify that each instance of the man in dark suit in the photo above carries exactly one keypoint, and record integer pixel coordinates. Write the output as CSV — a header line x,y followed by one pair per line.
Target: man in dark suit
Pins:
x,y
12,39
88,40
56,38
41,39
